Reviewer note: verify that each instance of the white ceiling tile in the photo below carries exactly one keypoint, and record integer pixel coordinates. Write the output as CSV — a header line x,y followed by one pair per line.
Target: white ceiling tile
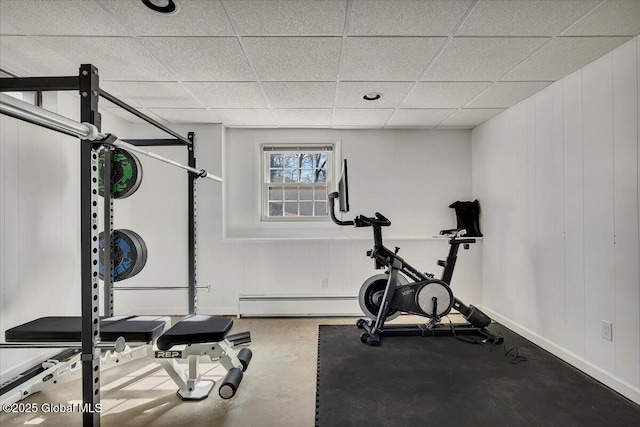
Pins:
x,y
361,117
506,94
303,117
443,94
186,115
41,61
201,58
300,94
350,94
195,18
562,56
245,117
388,58
156,94
419,117
125,115
117,58
6,27
523,17
471,117
406,17
294,58
228,94
612,18
59,17
480,59
286,17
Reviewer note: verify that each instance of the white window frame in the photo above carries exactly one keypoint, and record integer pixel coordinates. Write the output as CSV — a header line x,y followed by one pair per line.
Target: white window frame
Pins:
x,y
303,146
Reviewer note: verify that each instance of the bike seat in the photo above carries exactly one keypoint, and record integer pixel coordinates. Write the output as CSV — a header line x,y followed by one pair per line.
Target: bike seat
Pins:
x,y
378,221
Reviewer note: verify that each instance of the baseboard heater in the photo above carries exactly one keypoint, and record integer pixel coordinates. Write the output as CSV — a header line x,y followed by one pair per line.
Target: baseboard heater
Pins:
x,y
298,305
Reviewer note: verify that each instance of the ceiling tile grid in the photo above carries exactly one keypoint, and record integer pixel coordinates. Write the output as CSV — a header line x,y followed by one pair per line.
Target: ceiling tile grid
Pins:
x,y
308,63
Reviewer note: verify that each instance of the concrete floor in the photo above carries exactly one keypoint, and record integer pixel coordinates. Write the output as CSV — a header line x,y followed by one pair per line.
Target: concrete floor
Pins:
x,y
278,389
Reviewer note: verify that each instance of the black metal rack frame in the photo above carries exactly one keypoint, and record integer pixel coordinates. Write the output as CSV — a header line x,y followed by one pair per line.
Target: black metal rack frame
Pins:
x,y
87,84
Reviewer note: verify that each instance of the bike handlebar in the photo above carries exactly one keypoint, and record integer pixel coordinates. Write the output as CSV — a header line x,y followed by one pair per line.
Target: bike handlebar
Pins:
x,y
360,221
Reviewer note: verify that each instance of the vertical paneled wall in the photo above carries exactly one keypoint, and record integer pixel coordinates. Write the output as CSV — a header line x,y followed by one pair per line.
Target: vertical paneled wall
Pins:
x,y
39,224
558,175
410,176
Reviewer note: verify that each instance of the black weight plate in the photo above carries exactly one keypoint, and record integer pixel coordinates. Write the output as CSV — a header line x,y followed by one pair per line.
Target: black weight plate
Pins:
x,y
129,254
126,173
141,250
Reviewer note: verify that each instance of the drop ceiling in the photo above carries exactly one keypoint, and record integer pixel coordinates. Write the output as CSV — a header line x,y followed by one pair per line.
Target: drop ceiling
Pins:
x,y
308,63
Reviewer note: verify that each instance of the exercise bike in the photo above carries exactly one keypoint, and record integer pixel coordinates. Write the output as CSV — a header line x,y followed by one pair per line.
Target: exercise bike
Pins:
x,y
385,296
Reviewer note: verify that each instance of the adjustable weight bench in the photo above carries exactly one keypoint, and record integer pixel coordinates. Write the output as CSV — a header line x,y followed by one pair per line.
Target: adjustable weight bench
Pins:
x,y
192,338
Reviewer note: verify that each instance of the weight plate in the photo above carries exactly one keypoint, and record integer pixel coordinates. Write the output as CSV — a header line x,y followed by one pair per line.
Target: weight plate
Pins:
x,y
129,254
126,173
141,250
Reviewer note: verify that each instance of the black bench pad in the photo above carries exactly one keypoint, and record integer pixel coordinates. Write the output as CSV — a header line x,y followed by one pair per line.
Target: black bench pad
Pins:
x,y
195,329
68,329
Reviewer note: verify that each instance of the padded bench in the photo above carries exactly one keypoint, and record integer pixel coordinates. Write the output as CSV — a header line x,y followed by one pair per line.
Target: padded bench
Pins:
x,y
205,336
195,329
68,329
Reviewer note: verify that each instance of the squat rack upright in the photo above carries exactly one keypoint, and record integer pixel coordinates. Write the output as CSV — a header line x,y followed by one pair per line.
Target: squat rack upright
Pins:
x,y
87,84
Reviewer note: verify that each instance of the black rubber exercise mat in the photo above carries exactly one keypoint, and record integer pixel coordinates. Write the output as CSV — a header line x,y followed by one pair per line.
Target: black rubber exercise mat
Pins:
x,y
441,381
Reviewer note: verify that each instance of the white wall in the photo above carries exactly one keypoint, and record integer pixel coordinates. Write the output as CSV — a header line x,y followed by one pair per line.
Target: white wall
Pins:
x,y
558,178
39,224
410,176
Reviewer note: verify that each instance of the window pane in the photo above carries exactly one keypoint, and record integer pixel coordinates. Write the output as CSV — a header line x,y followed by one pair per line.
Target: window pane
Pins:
x,y
307,175
291,175
306,209
275,193
321,208
320,193
275,160
321,175
291,193
291,161
275,209
306,194
291,209
307,161
275,175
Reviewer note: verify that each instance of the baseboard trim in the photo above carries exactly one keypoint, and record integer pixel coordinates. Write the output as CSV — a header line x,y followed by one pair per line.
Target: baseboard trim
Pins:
x,y
617,384
298,305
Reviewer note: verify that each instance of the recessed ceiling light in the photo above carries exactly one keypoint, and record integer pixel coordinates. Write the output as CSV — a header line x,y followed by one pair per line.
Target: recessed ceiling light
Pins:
x,y
372,96
166,7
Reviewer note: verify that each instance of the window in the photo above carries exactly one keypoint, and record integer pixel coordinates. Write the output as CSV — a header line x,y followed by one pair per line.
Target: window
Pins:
x,y
295,181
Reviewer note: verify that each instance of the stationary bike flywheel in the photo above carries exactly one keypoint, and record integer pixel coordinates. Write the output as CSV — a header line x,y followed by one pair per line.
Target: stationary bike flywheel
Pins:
x,y
435,290
371,293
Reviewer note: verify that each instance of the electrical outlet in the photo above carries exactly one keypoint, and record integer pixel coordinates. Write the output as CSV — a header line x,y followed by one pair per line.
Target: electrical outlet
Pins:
x,y
607,330
325,283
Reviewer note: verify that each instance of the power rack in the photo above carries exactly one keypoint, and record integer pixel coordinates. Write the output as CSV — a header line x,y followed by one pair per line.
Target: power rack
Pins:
x,y
87,85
